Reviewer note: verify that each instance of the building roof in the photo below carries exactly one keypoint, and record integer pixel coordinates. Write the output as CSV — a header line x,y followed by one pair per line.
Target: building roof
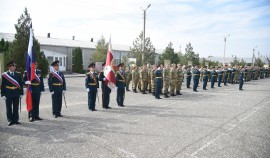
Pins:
x,y
64,42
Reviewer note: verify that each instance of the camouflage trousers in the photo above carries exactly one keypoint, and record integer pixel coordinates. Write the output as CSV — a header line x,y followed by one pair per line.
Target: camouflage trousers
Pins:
x,y
166,85
153,86
135,84
127,83
179,84
172,86
143,84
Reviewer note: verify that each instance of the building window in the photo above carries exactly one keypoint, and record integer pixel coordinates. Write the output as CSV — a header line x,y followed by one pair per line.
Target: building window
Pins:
x,y
56,58
50,59
64,61
60,61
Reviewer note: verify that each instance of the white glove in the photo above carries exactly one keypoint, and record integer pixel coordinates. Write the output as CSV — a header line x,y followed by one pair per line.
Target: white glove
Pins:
x,y
63,91
104,79
5,98
88,90
52,92
20,96
28,82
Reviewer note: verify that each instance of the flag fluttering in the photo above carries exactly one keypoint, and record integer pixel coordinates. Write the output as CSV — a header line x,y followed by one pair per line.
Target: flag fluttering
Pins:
x,y
108,71
30,70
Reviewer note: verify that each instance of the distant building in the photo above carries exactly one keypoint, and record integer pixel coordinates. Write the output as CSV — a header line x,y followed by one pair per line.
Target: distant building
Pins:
x,y
61,49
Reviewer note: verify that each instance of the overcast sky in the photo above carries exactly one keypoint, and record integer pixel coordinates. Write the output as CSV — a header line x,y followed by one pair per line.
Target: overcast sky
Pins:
x,y
204,23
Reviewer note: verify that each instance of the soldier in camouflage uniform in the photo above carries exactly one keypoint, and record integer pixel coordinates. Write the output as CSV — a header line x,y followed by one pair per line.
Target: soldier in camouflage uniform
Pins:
x,y
135,79
128,78
236,76
153,77
149,79
173,79
143,78
139,82
166,80
179,79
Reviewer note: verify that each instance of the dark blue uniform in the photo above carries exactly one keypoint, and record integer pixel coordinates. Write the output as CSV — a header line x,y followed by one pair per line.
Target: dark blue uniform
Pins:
x,y
106,91
188,78
37,87
91,82
232,76
226,74
253,74
205,79
12,94
158,83
196,77
120,84
241,78
219,77
213,75
56,87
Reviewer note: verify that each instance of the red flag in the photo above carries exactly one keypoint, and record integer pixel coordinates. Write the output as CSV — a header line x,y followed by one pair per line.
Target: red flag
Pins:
x,y
108,72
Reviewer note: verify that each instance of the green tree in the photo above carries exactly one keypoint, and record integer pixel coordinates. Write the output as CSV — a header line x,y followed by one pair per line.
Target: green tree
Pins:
x,y
137,50
169,54
259,62
77,60
19,47
190,55
242,62
43,63
235,61
100,53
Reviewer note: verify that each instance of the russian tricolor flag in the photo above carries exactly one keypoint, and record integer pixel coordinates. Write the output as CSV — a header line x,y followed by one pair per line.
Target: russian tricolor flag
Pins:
x,y
30,68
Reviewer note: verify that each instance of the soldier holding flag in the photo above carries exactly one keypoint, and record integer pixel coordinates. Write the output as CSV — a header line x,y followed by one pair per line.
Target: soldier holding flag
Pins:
x,y
12,90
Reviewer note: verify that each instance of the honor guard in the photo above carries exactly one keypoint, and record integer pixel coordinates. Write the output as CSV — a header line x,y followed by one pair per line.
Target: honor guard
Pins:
x,y
12,91
106,91
37,86
188,77
158,82
57,87
205,77
196,77
120,84
91,85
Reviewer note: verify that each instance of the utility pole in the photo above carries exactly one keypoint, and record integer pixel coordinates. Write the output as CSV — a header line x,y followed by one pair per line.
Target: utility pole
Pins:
x,y
144,19
253,56
225,49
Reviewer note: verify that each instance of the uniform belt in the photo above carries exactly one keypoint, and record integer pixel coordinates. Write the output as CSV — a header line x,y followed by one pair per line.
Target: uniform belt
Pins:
x,y
121,80
11,87
196,74
35,84
205,75
92,84
233,72
213,75
57,84
219,74
158,77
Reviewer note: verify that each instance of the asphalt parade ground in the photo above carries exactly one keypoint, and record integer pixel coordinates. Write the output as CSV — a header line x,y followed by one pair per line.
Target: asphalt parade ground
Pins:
x,y
219,122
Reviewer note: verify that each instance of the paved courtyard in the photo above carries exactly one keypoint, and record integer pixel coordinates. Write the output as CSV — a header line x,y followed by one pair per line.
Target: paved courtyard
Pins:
x,y
220,122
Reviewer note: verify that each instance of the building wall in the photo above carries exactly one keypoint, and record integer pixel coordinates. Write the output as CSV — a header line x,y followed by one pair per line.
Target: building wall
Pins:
x,y
87,54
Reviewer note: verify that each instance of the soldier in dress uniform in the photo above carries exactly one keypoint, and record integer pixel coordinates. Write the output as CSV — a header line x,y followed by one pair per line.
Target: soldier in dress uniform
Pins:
x,y
135,79
219,73
120,84
166,80
37,86
144,78
196,77
172,79
205,77
188,76
241,78
12,91
106,91
179,79
233,74
226,73
128,78
213,75
57,86
158,82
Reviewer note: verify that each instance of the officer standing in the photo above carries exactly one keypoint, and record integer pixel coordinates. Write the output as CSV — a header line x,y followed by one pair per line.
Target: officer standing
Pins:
x,y
135,78
179,79
233,74
106,91
166,80
205,77
143,78
120,84
128,78
91,85
37,86
196,77
57,87
241,78
172,79
153,78
226,73
12,91
219,73
188,77
158,82
213,75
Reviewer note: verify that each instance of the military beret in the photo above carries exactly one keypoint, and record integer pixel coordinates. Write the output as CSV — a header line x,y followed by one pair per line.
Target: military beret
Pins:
x,y
55,63
11,63
91,65
121,65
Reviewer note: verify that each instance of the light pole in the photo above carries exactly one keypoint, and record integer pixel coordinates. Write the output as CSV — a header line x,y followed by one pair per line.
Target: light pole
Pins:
x,y
253,55
225,49
144,17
